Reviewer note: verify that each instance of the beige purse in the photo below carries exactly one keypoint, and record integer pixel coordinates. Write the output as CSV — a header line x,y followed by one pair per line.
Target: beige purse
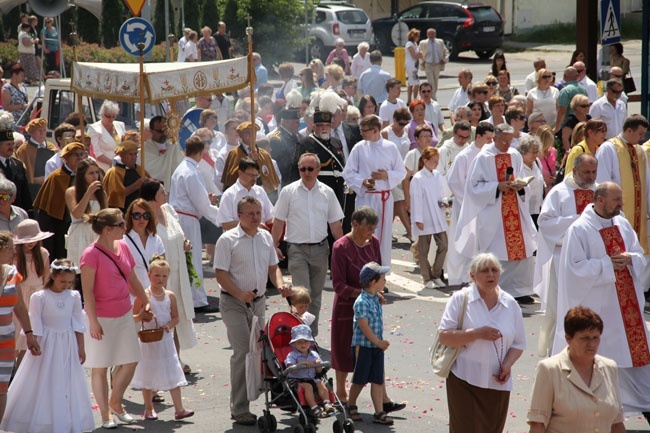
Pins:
x,y
443,357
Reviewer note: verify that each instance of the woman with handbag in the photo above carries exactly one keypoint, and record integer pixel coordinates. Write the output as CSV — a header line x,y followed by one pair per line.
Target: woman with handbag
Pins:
x,y
491,339
107,277
141,237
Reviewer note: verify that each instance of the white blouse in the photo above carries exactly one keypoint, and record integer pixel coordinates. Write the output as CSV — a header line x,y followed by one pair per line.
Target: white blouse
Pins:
x,y
143,253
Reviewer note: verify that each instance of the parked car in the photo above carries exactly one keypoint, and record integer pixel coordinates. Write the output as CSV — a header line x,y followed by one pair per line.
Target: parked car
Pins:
x,y
337,20
463,27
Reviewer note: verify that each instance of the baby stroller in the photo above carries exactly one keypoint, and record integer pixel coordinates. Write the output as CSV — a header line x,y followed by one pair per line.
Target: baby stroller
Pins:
x,y
278,388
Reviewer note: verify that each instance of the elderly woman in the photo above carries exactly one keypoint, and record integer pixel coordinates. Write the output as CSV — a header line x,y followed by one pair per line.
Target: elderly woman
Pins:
x,y
14,96
339,52
105,134
580,106
11,304
27,52
529,147
349,254
207,47
535,121
577,390
595,131
361,60
543,98
10,215
171,234
107,277
491,340
413,55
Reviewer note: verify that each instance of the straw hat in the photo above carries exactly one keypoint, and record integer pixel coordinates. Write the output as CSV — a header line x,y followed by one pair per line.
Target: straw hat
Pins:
x,y
28,231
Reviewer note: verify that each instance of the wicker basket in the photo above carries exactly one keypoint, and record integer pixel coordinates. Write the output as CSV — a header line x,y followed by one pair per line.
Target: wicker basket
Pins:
x,y
151,335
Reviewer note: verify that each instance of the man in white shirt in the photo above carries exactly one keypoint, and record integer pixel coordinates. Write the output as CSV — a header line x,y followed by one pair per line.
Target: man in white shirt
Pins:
x,y
181,44
189,197
452,147
244,260
610,109
461,95
307,208
586,82
392,102
561,208
531,79
432,111
248,172
616,72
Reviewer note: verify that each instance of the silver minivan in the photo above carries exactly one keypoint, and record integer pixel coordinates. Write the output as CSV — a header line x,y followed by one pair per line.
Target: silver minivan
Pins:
x,y
337,20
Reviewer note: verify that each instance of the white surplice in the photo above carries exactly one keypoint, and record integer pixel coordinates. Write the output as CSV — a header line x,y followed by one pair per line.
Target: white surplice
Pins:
x,y
480,224
365,158
162,159
189,198
558,213
457,264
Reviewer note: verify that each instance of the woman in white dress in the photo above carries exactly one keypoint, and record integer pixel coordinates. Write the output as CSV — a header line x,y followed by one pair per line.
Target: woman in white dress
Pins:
x,y
106,134
141,237
543,98
413,55
173,238
85,197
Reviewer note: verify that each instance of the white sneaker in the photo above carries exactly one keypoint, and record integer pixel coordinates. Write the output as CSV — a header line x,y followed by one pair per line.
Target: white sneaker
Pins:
x,y
438,282
430,285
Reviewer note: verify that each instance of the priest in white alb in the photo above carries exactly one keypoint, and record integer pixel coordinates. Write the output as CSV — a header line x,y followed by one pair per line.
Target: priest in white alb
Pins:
x,y
374,167
561,208
458,265
494,216
599,268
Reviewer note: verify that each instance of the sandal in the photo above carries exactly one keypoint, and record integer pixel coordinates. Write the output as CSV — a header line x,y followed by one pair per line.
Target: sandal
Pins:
x,y
391,406
157,398
353,413
382,418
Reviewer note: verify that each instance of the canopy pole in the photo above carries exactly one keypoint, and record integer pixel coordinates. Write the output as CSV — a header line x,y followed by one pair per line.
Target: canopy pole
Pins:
x,y
142,108
74,39
251,81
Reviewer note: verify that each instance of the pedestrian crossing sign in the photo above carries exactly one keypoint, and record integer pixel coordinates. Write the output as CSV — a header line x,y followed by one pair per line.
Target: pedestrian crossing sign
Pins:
x,y
610,21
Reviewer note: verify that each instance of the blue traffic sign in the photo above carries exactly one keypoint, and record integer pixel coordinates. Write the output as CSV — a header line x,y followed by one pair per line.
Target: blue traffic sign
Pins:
x,y
189,123
136,30
610,21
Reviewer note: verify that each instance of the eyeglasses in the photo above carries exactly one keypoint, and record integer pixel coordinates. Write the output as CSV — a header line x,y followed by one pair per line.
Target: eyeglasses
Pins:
x,y
304,169
141,215
425,136
491,83
580,71
547,76
402,123
521,118
616,92
6,197
584,105
121,225
484,92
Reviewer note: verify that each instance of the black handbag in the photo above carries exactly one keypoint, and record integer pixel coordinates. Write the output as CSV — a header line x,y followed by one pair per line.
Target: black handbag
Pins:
x,y
628,83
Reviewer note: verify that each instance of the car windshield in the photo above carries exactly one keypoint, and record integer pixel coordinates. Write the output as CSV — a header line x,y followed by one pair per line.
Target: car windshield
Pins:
x,y
352,17
484,13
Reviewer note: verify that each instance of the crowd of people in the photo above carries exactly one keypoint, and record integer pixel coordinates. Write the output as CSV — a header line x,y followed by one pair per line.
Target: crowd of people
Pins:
x,y
313,184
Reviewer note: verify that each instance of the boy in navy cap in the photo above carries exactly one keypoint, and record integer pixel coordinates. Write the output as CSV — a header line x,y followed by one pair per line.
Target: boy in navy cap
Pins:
x,y
303,354
368,344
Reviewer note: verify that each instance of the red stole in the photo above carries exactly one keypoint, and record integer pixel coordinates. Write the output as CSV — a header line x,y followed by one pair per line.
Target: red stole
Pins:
x,y
583,197
514,236
633,321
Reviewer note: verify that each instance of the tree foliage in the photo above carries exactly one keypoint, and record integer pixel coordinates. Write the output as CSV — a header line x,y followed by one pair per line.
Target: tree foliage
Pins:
x,y
192,14
209,15
277,33
111,22
159,20
87,26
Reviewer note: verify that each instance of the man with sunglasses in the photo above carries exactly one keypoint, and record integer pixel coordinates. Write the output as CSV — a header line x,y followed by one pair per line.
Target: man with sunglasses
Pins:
x,y
432,111
586,82
307,208
617,72
570,89
610,109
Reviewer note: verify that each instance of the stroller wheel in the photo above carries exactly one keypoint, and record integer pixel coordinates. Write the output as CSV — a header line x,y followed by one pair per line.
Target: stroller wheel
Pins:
x,y
304,420
262,425
272,422
348,426
298,429
337,427
310,428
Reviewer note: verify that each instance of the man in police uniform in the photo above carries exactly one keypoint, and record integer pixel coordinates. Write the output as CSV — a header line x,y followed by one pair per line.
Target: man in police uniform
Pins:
x,y
330,152
283,143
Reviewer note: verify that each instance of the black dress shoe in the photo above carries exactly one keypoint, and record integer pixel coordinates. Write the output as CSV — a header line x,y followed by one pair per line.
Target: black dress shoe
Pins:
x,y
525,300
207,309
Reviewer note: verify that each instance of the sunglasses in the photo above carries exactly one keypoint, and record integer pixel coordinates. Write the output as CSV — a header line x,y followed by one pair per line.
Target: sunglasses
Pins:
x,y
484,92
491,83
425,91
402,124
141,215
584,105
121,225
304,169
580,71
616,92
6,197
547,76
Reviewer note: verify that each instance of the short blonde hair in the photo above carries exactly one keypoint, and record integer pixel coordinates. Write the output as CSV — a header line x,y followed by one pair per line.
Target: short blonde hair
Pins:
x,y
300,295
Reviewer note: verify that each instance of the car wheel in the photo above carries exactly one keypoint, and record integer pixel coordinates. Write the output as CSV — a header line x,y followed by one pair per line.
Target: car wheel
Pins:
x,y
451,47
317,50
485,54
